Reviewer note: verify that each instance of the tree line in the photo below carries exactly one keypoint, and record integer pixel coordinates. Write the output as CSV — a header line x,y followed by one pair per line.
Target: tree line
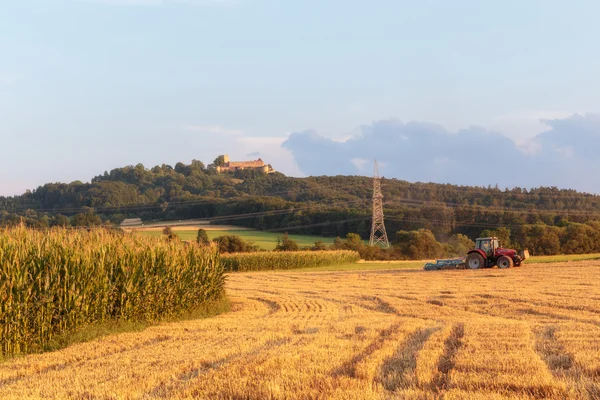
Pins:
x,y
545,220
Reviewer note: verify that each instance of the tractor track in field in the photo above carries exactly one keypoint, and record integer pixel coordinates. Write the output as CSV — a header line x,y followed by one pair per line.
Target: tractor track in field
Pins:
x,y
553,353
271,305
584,308
520,308
398,371
349,367
177,384
452,345
562,363
81,362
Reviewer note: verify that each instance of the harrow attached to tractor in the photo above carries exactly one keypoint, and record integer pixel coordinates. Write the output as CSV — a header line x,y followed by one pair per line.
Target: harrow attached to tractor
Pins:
x,y
454,263
486,254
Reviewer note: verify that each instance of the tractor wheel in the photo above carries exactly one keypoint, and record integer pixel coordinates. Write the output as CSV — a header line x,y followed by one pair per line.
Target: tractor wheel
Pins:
x,y
505,262
474,261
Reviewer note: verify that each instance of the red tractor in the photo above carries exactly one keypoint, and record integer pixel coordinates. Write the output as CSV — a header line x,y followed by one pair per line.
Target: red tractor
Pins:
x,y
487,253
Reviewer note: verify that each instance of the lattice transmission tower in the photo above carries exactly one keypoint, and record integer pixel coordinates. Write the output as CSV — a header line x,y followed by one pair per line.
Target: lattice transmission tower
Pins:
x,y
378,233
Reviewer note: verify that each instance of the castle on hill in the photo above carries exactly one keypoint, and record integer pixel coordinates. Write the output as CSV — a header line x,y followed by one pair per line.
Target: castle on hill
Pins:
x,y
241,165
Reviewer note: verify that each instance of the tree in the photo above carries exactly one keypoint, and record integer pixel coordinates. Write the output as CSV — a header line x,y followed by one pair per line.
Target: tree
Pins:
x,y
197,166
418,245
337,243
59,220
234,244
503,235
579,239
353,242
219,161
87,220
202,238
548,239
459,245
182,168
168,232
319,246
286,244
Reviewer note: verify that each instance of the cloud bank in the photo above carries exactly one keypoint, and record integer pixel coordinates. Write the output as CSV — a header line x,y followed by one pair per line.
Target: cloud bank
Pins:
x,y
567,155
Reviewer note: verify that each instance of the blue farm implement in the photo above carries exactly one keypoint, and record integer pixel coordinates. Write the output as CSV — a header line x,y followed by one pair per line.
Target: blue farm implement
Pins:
x,y
454,263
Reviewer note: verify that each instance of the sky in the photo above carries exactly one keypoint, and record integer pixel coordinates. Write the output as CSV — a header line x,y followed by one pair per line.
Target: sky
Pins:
x,y
463,91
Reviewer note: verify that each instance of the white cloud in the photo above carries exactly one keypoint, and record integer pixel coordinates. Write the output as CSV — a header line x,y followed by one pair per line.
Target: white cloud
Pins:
x,y
521,126
342,139
528,146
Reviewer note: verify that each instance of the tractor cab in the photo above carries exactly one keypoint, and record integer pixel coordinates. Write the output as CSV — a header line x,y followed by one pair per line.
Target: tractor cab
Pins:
x,y
488,245
488,253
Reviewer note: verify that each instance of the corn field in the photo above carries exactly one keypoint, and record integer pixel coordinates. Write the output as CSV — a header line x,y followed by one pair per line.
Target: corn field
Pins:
x,y
286,260
53,282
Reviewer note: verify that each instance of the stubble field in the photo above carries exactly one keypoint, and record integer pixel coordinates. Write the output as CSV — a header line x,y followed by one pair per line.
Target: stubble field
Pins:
x,y
529,332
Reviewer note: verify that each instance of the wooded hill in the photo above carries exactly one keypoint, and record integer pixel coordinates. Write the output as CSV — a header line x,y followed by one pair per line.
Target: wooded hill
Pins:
x,y
546,220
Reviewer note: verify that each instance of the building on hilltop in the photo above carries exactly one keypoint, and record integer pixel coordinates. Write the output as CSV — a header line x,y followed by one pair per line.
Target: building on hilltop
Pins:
x,y
241,165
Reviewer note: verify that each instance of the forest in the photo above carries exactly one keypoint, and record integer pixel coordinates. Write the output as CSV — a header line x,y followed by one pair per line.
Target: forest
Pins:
x,y
546,220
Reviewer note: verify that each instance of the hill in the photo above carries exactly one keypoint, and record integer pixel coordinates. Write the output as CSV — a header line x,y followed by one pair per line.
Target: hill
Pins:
x,y
547,220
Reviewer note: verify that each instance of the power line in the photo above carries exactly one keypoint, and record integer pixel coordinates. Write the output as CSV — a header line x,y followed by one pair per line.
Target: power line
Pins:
x,y
446,187
439,222
275,212
495,208
295,227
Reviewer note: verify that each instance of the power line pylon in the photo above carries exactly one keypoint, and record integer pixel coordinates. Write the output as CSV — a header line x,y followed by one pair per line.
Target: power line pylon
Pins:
x,y
378,233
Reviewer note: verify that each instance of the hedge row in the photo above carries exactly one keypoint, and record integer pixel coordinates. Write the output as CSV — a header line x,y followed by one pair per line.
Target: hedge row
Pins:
x,y
261,261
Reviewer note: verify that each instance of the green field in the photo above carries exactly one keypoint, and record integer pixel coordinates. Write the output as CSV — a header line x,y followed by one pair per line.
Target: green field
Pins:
x,y
562,258
265,240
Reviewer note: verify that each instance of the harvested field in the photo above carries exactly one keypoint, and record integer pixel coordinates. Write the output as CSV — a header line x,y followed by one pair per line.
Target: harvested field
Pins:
x,y
529,332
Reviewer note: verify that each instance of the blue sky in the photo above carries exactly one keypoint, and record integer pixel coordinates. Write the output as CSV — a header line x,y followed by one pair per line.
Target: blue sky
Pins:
x,y
90,85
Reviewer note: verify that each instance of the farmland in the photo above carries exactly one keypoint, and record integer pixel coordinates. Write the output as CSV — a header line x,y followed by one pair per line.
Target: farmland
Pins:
x,y
265,240
529,332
